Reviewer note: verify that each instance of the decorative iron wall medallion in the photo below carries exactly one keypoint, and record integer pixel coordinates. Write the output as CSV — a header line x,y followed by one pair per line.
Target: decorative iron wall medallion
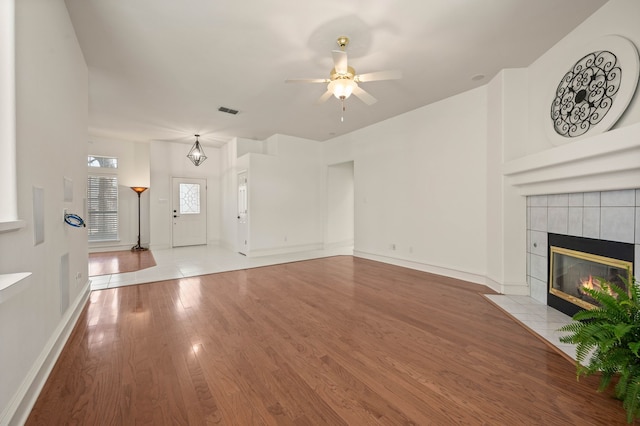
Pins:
x,y
585,94
596,90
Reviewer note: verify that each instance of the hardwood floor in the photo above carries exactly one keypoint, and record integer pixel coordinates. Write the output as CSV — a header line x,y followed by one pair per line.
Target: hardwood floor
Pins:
x,y
330,341
118,262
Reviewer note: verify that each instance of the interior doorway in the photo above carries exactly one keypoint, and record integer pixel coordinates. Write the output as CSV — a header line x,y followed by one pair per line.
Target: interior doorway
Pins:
x,y
340,228
189,211
243,213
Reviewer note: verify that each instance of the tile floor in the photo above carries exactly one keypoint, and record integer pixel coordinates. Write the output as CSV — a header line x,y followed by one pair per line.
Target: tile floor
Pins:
x,y
199,260
538,317
182,262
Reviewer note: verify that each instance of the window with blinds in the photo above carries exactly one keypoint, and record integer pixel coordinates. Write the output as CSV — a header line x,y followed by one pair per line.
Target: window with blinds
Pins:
x,y
102,208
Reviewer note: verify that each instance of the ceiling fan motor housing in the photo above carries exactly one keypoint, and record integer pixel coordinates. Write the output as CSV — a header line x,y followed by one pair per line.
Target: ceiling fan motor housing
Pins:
x,y
350,74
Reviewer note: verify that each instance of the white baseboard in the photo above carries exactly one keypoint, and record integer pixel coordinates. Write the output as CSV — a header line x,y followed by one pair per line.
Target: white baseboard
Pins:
x,y
513,288
418,266
119,247
159,247
516,289
285,250
227,245
338,244
23,400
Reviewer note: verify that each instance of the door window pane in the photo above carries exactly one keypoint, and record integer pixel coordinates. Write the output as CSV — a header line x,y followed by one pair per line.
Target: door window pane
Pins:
x,y
189,198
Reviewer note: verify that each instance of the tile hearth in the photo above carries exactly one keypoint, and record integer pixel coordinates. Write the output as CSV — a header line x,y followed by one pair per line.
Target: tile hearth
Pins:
x,y
536,316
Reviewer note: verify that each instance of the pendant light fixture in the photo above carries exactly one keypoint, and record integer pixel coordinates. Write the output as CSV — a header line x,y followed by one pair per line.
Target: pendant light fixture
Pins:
x,y
196,154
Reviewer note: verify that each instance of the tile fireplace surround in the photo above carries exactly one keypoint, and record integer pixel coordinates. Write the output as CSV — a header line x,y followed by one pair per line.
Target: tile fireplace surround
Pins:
x,y
606,215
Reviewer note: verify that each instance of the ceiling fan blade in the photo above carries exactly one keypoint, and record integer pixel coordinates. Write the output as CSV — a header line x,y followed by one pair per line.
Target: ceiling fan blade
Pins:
x,y
364,96
340,61
307,80
324,97
380,75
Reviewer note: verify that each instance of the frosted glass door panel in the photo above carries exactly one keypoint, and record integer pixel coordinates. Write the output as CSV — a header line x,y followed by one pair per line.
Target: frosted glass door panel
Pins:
x,y
189,198
189,212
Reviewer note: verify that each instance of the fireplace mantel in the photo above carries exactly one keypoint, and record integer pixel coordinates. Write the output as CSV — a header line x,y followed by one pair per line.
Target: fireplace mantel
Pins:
x,y
603,162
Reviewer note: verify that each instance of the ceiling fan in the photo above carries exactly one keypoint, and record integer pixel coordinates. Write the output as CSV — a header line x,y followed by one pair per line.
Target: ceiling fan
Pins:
x,y
343,80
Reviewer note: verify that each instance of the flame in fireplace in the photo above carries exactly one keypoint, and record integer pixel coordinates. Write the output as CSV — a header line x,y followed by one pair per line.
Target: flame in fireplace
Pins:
x,y
588,283
593,284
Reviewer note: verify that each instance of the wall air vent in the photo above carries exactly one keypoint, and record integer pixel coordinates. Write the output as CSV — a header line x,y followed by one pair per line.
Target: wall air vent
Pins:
x,y
228,110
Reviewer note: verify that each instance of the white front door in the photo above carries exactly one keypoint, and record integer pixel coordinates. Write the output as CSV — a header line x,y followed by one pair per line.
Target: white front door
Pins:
x,y
243,213
189,212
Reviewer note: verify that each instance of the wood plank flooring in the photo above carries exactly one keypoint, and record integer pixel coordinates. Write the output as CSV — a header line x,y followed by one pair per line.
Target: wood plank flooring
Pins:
x,y
331,341
118,262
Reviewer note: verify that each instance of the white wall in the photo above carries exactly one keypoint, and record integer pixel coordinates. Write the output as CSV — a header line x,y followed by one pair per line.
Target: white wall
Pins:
x,y
506,131
52,105
339,225
285,201
618,17
133,170
420,184
8,186
169,160
229,195
608,161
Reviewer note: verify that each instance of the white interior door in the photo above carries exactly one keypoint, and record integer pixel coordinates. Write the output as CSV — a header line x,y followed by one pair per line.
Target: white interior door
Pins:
x,y
189,212
243,213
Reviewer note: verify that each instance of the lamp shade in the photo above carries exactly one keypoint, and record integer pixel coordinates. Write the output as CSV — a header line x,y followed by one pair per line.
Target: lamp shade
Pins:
x,y
342,87
196,154
139,189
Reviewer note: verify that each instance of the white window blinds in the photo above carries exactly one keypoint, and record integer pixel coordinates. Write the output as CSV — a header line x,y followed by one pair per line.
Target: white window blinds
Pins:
x,y
102,208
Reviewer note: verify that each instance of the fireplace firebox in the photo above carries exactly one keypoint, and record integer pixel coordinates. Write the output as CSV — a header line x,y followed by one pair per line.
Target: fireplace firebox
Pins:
x,y
577,262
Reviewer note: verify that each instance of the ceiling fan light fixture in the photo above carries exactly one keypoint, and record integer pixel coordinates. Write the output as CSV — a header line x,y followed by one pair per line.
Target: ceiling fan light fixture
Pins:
x,y
342,88
196,154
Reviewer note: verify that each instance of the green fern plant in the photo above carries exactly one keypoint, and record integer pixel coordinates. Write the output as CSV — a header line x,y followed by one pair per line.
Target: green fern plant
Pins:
x,y
608,336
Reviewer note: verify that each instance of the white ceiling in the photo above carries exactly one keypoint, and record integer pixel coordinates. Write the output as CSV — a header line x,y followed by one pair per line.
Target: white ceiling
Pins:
x,y
159,69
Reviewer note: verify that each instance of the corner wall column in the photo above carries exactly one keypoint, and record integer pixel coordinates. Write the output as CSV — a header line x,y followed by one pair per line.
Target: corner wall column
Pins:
x,y
8,180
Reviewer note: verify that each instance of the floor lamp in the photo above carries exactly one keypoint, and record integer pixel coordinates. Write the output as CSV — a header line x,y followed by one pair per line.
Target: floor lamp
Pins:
x,y
138,190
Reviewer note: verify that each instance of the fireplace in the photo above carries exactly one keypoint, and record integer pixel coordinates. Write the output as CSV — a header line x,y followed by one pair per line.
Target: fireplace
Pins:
x,y
577,262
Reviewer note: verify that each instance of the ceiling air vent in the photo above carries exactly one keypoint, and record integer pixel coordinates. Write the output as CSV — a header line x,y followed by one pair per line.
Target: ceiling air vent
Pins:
x,y
228,110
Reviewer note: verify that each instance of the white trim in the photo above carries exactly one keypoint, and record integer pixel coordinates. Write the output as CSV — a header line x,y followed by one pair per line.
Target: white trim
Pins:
x,y
339,244
12,225
511,289
12,284
418,266
8,163
159,246
285,250
603,162
23,400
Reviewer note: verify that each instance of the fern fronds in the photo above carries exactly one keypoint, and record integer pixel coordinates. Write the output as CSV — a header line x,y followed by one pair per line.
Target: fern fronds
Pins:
x,y
608,337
